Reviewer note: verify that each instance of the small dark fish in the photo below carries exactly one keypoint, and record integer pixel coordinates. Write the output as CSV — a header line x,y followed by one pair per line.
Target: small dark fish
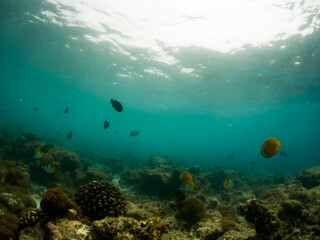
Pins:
x,y
36,109
230,156
69,135
66,110
106,124
283,153
116,105
253,162
134,133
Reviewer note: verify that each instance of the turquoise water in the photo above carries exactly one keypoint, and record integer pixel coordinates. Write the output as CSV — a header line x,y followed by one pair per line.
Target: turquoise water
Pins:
x,y
196,93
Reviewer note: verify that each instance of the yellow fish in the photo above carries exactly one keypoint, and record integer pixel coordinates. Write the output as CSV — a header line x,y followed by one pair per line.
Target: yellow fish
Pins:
x,y
270,147
134,133
187,181
38,153
69,135
228,183
48,168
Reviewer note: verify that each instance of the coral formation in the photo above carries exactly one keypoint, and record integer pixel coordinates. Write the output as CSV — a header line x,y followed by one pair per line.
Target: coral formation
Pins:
x,y
191,210
216,177
98,199
12,199
18,178
8,226
159,162
160,182
309,177
280,210
228,224
90,175
56,203
66,229
266,222
31,217
227,211
119,228
288,212
69,161
115,165
143,210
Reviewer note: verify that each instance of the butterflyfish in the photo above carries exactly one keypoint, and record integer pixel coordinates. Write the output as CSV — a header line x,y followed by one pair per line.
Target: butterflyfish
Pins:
x,y
48,168
116,105
134,133
69,135
187,181
228,184
270,147
38,153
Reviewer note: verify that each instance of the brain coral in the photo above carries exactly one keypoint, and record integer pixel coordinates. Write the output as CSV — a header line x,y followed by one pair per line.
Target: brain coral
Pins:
x,y
98,199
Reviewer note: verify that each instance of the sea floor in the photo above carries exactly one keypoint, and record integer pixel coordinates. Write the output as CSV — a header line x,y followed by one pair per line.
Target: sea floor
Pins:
x,y
48,192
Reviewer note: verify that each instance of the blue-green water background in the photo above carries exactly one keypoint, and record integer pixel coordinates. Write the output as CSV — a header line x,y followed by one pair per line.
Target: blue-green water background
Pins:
x,y
238,102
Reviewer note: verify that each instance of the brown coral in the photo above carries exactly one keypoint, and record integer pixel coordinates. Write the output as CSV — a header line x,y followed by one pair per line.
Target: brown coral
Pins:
x,y
98,199
191,210
56,203
128,228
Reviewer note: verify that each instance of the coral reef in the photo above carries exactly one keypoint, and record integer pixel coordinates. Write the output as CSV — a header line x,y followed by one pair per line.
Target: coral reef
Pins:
x,y
17,178
31,217
159,162
13,200
227,212
216,177
56,203
119,228
32,233
90,175
309,177
160,182
191,210
286,212
274,207
115,165
266,222
8,226
67,229
98,199
143,210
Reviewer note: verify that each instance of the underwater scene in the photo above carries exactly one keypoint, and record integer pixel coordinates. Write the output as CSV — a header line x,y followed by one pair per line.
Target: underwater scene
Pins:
x,y
159,120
